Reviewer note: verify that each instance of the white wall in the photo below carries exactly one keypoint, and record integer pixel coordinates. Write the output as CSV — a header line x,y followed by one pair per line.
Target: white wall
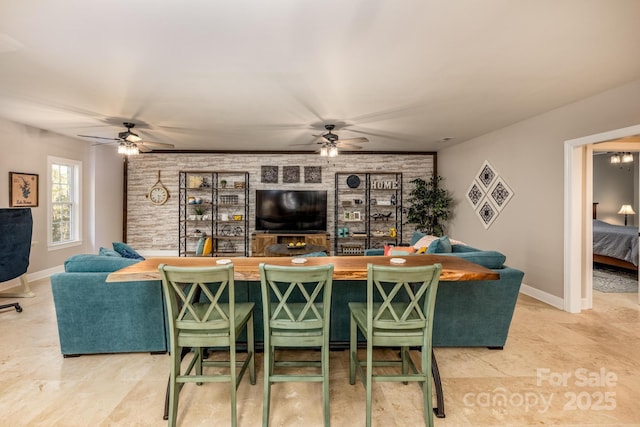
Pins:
x,y
529,156
25,149
614,186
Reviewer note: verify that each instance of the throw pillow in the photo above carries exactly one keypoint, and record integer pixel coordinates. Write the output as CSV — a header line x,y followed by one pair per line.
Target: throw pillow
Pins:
x,y
108,252
424,241
208,244
441,245
126,251
200,246
401,250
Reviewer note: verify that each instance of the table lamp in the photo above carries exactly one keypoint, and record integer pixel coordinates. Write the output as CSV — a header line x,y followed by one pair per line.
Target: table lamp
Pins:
x,y
626,210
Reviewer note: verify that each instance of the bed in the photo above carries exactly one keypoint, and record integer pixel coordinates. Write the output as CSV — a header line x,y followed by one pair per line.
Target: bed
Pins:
x,y
615,245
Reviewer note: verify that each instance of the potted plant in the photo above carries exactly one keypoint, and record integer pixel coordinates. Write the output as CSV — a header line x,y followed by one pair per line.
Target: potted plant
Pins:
x,y
223,183
199,211
429,206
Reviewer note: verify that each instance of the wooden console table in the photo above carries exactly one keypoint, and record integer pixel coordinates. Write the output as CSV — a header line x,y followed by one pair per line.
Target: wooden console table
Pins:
x,y
345,268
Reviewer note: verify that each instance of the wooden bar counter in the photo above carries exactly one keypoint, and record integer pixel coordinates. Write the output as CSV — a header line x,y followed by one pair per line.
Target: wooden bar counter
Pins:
x,y
454,269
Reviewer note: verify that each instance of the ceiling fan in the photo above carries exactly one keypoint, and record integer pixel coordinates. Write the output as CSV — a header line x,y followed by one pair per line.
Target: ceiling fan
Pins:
x,y
131,143
330,142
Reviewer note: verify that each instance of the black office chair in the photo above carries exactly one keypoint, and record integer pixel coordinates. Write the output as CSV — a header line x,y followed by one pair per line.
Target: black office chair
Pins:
x,y
16,226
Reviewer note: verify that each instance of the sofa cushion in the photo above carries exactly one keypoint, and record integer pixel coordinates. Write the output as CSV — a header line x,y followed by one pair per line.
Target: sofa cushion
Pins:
x,y
108,252
83,263
489,259
126,251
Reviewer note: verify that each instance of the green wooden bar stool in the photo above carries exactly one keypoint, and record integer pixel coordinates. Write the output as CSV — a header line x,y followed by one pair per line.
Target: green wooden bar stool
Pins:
x,y
398,313
296,305
202,313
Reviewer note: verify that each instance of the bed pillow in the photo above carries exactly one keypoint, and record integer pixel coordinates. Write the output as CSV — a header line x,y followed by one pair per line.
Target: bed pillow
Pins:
x,y
126,251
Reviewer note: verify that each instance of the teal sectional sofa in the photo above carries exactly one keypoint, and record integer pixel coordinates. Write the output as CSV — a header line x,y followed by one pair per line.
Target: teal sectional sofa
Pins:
x,y
99,317
474,313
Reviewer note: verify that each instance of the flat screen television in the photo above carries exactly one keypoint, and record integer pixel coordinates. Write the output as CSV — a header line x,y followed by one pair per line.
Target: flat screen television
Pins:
x,y
291,211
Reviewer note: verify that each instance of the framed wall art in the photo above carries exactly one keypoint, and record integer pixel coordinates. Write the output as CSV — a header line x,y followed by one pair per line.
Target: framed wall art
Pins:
x,y
290,174
269,174
23,190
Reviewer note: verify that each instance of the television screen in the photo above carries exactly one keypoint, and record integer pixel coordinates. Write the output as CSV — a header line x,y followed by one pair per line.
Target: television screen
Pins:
x,y
291,210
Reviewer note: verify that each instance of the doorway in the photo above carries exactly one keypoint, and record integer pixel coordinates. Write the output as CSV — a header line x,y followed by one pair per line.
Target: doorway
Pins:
x,y
578,210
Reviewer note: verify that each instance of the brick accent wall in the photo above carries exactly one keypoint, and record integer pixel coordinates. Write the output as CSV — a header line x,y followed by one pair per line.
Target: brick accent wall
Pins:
x,y
155,228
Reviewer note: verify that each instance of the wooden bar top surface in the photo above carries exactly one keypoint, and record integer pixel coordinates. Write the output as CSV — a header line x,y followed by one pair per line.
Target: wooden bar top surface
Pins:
x,y
345,267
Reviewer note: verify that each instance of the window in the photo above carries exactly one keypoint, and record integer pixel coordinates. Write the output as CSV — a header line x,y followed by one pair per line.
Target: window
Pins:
x,y
64,203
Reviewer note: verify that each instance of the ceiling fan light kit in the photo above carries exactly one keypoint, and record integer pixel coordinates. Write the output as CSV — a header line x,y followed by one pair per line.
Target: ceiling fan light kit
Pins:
x,y
130,144
330,141
128,149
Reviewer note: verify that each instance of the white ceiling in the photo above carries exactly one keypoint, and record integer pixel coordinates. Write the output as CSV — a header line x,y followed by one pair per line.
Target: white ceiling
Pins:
x,y
266,75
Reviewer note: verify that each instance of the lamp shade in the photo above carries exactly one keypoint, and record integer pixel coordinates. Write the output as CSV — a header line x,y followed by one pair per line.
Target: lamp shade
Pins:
x,y
626,210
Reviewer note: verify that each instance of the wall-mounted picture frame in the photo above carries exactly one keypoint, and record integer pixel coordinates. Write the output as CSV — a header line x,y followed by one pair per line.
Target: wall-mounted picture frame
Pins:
x,y
290,174
23,190
269,174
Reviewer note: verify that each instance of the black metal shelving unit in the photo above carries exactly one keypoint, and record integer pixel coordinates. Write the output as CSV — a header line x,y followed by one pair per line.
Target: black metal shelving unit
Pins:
x,y
368,205
223,197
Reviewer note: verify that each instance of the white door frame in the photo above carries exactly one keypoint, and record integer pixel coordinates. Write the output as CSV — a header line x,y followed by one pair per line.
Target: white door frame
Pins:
x,y
578,199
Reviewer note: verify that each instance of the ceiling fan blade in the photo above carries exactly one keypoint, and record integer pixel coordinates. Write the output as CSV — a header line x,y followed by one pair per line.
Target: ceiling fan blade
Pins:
x,y
349,146
143,149
356,140
156,144
99,137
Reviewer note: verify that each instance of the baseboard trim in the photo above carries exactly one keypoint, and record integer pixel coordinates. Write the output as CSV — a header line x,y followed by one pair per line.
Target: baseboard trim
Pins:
x,y
36,275
545,297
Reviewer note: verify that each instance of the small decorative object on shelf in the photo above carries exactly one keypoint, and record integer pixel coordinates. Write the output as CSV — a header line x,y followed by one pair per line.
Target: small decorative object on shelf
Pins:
x,y
223,183
353,181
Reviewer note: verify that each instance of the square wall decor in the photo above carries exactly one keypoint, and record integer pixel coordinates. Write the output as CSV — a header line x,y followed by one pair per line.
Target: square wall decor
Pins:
x,y
475,193
500,193
290,174
486,174
312,174
487,213
269,174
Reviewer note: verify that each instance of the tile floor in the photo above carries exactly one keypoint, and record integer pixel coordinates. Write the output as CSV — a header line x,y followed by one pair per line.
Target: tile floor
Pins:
x,y
557,369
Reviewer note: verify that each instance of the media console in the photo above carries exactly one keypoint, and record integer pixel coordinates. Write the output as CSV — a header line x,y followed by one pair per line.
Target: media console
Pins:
x,y
260,241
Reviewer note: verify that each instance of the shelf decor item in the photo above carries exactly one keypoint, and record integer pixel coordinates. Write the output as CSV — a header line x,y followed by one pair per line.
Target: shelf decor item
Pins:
x,y
353,181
